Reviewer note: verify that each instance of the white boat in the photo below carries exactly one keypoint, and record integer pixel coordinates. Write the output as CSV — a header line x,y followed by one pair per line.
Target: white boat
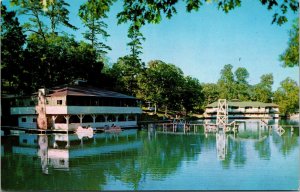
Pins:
x,y
84,132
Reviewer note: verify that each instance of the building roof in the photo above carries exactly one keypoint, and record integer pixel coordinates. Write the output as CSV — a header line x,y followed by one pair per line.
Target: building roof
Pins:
x,y
243,104
75,90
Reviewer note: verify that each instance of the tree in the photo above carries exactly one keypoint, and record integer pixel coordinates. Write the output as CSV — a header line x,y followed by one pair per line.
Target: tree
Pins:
x,y
34,9
54,10
211,93
263,90
12,42
152,11
161,84
241,84
290,57
136,42
132,12
242,75
91,13
226,83
60,60
126,72
191,94
287,97
57,12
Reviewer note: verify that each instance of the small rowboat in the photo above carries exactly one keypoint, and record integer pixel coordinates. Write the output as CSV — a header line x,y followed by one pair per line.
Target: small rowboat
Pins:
x,y
112,129
84,132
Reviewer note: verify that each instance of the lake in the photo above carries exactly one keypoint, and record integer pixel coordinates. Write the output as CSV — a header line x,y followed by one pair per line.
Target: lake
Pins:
x,y
257,157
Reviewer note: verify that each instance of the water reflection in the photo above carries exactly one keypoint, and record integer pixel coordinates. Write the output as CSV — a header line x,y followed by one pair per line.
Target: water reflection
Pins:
x,y
133,159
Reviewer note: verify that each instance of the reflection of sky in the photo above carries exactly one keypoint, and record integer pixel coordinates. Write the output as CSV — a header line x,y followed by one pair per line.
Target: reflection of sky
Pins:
x,y
207,172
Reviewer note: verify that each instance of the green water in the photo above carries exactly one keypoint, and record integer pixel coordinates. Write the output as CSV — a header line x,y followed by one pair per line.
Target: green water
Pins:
x,y
256,158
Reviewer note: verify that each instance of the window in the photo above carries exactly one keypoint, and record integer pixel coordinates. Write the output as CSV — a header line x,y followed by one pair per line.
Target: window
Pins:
x,y
24,120
61,161
59,102
34,120
24,140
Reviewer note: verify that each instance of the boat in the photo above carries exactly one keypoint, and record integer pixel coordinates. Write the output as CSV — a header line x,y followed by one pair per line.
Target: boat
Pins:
x,y
112,129
84,132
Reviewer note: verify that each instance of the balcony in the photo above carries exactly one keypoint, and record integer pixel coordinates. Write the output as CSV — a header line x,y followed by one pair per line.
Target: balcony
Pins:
x,y
22,110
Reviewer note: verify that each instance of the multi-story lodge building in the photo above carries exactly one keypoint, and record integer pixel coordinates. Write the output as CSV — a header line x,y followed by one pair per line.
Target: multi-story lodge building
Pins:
x,y
67,107
245,109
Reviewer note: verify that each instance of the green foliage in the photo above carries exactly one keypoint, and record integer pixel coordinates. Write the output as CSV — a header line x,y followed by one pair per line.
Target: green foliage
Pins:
x,y
211,93
34,9
161,84
126,72
191,94
241,75
241,84
12,41
263,90
57,12
60,60
290,57
226,83
287,97
152,11
91,13
133,11
136,41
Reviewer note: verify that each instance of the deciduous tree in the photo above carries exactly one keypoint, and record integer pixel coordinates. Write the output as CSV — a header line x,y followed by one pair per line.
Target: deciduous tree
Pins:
x,y
12,53
290,57
287,97
263,90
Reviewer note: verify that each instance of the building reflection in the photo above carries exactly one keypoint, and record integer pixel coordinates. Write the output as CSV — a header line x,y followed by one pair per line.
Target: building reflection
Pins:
x,y
232,145
132,156
221,145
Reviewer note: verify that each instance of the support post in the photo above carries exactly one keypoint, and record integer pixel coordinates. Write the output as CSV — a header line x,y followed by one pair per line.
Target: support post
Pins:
x,y
80,118
53,120
67,117
94,118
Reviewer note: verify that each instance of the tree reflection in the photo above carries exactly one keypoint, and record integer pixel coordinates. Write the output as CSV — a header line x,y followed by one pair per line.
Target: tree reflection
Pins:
x,y
287,142
158,158
236,152
263,148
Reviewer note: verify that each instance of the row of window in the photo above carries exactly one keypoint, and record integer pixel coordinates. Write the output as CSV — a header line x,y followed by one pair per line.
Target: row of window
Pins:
x,y
24,120
74,101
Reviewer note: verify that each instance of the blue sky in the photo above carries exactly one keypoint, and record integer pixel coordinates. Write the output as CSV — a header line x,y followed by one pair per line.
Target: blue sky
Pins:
x,y
201,43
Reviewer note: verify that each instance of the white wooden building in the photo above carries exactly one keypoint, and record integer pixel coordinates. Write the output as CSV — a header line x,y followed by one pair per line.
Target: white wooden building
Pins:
x,y
245,109
67,107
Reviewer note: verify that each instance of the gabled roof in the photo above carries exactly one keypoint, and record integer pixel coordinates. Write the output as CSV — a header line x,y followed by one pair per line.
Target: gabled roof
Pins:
x,y
243,104
79,91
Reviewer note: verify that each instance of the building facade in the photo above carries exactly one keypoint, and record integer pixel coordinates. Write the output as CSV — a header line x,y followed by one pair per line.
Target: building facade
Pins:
x,y
245,109
67,107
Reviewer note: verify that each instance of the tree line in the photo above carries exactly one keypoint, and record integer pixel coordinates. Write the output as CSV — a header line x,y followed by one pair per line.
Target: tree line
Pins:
x,y
39,53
